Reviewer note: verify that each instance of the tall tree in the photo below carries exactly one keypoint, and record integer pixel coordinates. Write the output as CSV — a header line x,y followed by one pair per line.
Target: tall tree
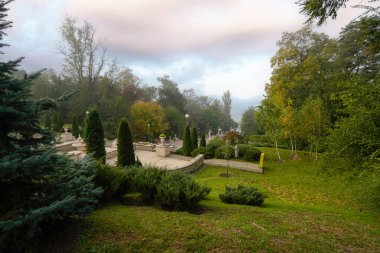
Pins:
x,y
169,94
203,141
187,146
227,103
94,136
84,56
148,118
37,185
75,127
194,138
125,152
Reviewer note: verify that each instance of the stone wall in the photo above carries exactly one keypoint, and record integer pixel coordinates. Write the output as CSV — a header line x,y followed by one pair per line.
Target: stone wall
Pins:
x,y
195,164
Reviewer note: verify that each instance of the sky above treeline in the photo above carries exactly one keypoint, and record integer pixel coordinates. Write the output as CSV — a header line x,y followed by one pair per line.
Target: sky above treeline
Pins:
x,y
210,46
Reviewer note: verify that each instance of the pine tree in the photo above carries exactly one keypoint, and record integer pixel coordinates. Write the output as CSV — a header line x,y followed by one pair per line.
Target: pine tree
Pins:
x,y
94,136
47,120
187,142
74,127
194,138
125,152
37,185
203,141
57,124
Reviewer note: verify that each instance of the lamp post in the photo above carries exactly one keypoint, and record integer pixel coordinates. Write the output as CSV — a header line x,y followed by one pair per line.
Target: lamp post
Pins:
x,y
187,118
148,132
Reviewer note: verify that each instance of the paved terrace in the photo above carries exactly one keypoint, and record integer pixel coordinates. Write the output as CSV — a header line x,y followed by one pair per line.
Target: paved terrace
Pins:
x,y
150,158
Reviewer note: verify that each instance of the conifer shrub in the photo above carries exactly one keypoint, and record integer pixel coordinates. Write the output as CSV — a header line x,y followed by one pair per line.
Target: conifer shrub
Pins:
x,y
125,152
147,181
202,143
187,146
94,136
242,195
194,138
179,191
252,154
110,179
212,146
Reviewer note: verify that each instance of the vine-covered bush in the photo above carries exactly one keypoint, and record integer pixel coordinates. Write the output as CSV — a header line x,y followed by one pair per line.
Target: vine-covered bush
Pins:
x,y
178,191
243,195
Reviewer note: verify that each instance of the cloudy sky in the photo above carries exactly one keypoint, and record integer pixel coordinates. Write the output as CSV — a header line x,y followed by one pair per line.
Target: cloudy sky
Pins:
x,y
208,45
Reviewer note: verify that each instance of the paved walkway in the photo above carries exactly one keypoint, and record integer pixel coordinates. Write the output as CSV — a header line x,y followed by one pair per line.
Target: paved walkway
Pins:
x,y
235,164
149,158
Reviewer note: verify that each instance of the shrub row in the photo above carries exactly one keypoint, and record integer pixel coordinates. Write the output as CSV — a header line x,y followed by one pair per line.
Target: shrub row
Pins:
x,y
243,195
170,190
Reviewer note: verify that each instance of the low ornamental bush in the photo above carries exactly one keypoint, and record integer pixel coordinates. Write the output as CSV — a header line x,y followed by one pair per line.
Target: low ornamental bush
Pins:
x,y
220,152
242,149
197,151
147,181
243,195
252,154
212,146
179,191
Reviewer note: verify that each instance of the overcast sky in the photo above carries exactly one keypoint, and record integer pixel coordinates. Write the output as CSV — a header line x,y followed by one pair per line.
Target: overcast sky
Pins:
x,y
208,45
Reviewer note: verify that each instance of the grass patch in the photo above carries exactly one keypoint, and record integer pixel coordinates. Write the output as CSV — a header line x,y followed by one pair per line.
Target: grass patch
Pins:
x,y
304,212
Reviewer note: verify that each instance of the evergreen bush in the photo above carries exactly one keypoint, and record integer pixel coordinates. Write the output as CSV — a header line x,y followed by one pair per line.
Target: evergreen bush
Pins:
x,y
194,138
147,181
179,191
242,195
203,141
94,136
125,152
187,146
243,149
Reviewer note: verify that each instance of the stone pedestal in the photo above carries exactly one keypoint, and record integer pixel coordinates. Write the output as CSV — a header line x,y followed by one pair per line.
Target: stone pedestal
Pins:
x,y
162,150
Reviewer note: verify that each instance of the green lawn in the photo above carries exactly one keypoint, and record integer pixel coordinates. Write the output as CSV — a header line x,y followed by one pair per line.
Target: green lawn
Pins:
x,y
304,212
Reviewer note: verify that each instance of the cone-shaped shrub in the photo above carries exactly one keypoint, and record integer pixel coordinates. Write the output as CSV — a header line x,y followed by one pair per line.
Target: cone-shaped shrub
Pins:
x,y
74,127
94,136
47,120
203,141
187,142
57,124
125,152
194,138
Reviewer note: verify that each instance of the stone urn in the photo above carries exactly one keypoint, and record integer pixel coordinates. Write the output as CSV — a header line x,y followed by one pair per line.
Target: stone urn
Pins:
x,y
162,138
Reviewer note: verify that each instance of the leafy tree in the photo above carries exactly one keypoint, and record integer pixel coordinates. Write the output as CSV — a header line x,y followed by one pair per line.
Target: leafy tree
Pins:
x,y
194,138
74,127
84,56
94,136
322,9
228,152
227,103
203,141
187,146
38,186
125,152
232,137
148,118
249,124
169,94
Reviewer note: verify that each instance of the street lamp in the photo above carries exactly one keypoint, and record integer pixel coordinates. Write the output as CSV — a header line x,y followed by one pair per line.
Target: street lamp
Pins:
x,y
148,132
187,118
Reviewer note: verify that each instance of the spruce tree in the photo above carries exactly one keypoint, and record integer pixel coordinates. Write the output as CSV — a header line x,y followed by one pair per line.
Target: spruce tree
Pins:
x,y
47,120
194,138
38,186
94,136
203,141
125,152
187,142
74,127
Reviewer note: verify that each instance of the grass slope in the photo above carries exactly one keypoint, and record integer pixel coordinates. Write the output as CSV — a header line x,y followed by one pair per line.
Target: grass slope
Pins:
x,y
304,212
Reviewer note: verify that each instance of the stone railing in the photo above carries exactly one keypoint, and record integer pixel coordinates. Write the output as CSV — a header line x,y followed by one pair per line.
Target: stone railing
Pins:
x,y
195,164
144,147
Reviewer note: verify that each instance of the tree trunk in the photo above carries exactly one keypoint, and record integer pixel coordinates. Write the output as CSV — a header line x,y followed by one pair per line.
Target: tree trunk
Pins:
x,y
278,153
